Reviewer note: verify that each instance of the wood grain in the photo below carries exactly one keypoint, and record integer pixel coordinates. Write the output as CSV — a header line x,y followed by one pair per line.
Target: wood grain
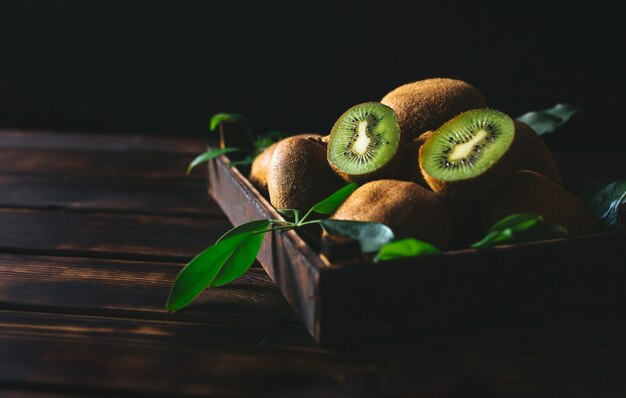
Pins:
x,y
132,289
104,142
162,166
108,235
89,194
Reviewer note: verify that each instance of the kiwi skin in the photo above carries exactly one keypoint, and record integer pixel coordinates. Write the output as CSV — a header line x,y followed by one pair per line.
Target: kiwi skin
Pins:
x,y
299,175
532,153
261,164
471,189
410,168
526,191
407,208
427,104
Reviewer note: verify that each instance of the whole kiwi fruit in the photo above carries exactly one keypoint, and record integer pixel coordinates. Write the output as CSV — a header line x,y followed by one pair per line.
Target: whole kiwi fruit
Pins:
x,y
427,104
407,208
467,157
261,164
410,167
365,143
532,153
526,191
299,175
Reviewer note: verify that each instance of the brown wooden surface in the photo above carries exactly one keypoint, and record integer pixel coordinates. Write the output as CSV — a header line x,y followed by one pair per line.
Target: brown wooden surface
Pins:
x,y
88,252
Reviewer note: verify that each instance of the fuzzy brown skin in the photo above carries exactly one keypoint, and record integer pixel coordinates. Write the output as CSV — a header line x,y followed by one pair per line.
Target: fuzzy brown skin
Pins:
x,y
407,208
261,164
530,192
410,167
299,175
532,153
427,104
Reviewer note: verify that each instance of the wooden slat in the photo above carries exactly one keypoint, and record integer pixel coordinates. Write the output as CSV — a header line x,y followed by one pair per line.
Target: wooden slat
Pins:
x,y
117,356
160,166
132,289
89,194
107,235
111,142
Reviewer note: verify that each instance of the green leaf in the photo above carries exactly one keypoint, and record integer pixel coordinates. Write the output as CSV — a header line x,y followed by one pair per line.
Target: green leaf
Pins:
x,y
241,260
225,117
331,203
607,201
292,214
252,226
208,155
518,228
263,141
201,271
371,235
549,120
409,247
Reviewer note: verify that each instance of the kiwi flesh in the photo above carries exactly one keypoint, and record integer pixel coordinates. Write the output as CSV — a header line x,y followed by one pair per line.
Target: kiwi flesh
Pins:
x,y
407,208
467,157
427,104
261,164
410,168
526,191
364,143
299,175
532,153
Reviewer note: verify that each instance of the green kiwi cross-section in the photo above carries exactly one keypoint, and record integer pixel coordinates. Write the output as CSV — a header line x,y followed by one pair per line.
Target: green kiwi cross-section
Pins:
x,y
364,142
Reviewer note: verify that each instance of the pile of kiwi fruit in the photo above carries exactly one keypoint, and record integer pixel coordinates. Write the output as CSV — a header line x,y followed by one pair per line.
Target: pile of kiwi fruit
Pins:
x,y
433,162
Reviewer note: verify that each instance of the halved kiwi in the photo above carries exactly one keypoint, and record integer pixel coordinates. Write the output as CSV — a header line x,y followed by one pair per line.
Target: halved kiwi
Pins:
x,y
364,143
468,156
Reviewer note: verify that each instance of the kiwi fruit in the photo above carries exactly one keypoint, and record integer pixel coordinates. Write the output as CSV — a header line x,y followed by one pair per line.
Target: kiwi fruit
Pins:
x,y
364,143
526,191
532,153
407,208
261,164
299,175
427,104
467,157
410,168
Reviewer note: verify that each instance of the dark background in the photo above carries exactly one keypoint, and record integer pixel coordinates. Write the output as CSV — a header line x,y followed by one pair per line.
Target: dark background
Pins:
x,y
296,66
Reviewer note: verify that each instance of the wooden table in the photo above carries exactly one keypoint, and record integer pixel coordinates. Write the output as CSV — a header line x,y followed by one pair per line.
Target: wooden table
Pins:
x,y
95,227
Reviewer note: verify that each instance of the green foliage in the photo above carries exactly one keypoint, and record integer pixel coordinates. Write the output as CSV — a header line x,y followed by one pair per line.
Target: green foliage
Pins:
x,y
208,155
408,247
518,228
371,235
549,120
607,202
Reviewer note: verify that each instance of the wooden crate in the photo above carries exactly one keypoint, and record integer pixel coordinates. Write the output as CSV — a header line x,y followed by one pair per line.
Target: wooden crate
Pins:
x,y
398,297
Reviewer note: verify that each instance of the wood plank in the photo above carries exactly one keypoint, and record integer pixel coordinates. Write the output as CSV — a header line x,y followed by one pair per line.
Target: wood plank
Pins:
x,y
119,356
132,289
108,235
116,356
160,166
87,194
107,142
